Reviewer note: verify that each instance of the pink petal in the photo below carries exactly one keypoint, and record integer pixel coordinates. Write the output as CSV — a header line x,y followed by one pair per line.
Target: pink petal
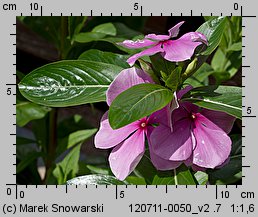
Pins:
x,y
162,116
124,157
213,144
184,111
126,79
106,137
199,37
137,44
221,119
173,32
162,164
157,37
189,163
176,145
148,52
183,91
183,48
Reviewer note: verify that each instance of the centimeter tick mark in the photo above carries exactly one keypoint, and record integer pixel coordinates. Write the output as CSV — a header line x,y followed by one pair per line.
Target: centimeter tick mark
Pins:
x,y
116,192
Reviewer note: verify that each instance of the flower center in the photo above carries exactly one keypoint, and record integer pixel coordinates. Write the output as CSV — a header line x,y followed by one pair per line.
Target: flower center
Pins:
x,y
143,124
193,116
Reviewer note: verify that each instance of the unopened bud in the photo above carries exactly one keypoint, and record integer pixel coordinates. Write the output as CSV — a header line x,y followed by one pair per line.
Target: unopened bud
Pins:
x,y
190,69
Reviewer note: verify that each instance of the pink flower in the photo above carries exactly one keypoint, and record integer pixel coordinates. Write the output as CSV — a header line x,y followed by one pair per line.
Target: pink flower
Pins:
x,y
199,136
172,50
128,142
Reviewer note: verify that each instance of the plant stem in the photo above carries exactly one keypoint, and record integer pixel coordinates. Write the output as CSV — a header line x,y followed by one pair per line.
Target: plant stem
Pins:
x,y
63,35
52,132
175,177
52,141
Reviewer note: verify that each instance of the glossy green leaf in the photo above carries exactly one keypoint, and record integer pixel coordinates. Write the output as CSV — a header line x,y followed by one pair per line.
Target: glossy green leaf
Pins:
x,y
201,177
200,77
183,176
137,102
222,98
68,167
106,28
95,180
105,57
68,83
213,29
27,111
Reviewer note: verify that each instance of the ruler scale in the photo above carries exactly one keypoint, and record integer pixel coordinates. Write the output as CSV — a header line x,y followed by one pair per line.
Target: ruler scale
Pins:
x,y
131,200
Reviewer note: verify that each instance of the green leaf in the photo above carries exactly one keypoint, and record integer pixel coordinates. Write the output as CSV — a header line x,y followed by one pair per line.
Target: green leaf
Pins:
x,y
235,47
213,29
75,138
105,57
137,102
200,77
174,79
201,177
95,180
97,33
75,25
27,111
27,160
222,98
19,75
124,31
85,37
145,168
71,124
163,179
79,136
68,167
132,180
68,83
219,61
106,28
161,65
236,145
98,170
183,176
147,67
